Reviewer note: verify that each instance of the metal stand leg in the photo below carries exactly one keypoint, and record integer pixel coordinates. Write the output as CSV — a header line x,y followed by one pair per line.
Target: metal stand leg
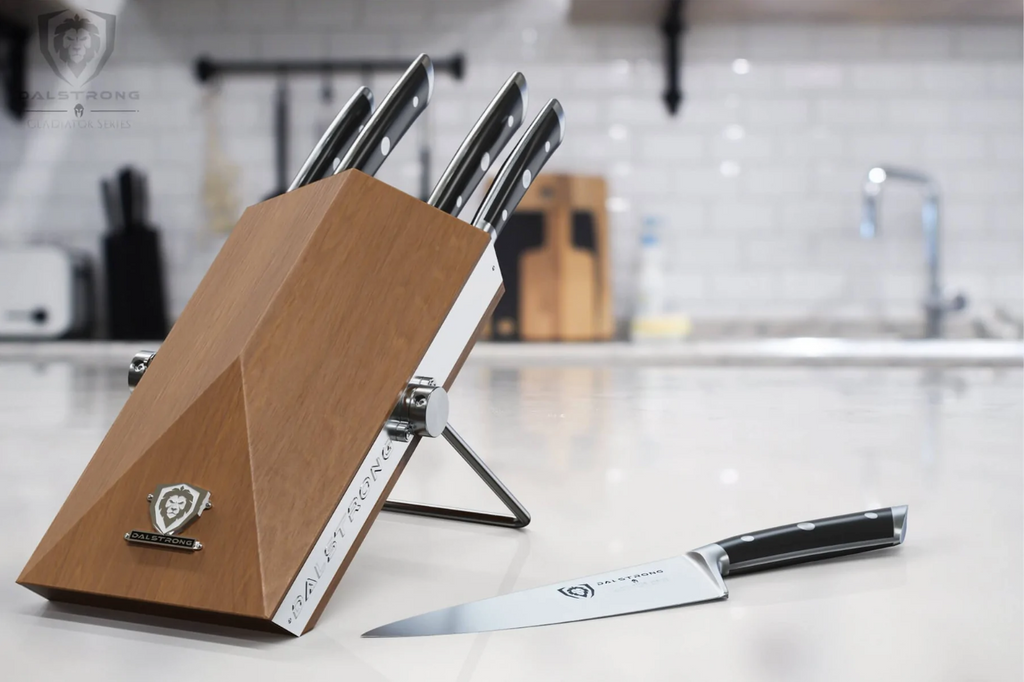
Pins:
x,y
519,519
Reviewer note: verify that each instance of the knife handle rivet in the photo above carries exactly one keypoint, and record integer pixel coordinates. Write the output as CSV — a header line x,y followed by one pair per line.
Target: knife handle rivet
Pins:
x,y
547,147
458,202
385,146
504,215
747,538
415,102
511,121
871,515
805,526
485,162
527,178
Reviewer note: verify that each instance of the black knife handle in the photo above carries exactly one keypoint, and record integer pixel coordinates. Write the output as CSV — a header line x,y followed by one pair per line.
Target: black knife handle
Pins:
x,y
813,540
336,139
534,149
395,115
492,132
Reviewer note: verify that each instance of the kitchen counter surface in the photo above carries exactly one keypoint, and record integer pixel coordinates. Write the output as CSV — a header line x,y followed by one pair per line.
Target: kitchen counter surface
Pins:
x,y
765,351
619,465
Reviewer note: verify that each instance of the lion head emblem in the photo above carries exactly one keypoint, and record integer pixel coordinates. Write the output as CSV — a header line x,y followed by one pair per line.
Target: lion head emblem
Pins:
x,y
176,503
173,507
76,43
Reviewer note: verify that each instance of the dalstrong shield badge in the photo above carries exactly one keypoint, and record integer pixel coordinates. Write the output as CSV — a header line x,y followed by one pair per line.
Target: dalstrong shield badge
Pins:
x,y
76,43
172,508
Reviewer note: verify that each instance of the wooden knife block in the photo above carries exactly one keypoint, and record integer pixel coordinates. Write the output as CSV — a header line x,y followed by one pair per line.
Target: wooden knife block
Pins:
x,y
555,258
271,392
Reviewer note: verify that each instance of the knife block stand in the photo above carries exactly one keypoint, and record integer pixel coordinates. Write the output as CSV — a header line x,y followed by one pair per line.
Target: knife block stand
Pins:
x,y
272,392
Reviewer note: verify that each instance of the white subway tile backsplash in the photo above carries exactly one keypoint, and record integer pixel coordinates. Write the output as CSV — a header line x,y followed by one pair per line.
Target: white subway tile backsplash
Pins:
x,y
954,146
761,146
776,253
327,16
985,181
744,286
848,112
270,15
790,41
919,113
812,76
814,143
847,41
293,45
1004,113
1007,215
989,41
940,78
885,77
880,147
662,146
1006,77
777,113
758,179
775,181
930,42
704,181
711,43
740,217
812,285
1008,288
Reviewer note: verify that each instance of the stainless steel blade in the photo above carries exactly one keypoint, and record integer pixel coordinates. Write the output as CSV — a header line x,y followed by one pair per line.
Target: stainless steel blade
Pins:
x,y
687,579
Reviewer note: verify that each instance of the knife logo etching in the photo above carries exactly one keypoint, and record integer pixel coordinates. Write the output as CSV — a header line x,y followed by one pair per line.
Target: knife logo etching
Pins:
x,y
583,591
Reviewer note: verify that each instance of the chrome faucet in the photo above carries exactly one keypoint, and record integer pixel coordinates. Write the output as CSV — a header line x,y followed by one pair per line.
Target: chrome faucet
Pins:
x,y
936,305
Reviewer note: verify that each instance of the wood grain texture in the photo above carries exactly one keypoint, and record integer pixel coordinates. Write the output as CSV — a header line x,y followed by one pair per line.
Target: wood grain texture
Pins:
x,y
539,276
565,290
268,392
590,193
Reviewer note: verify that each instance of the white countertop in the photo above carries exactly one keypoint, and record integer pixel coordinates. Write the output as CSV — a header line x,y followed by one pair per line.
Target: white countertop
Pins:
x,y
619,465
747,352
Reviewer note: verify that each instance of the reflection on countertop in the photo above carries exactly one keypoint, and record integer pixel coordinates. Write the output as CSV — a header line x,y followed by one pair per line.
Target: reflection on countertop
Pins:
x,y
619,465
795,351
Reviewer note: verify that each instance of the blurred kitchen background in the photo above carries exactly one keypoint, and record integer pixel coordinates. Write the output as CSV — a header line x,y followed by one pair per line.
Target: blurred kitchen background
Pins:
x,y
740,215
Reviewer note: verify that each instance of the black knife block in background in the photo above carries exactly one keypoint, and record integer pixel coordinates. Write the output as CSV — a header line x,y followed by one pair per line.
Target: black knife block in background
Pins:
x,y
135,290
136,303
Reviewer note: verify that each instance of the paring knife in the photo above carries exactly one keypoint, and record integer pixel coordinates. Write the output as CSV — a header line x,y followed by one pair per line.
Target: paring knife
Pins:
x,y
400,108
336,140
688,579
488,137
532,151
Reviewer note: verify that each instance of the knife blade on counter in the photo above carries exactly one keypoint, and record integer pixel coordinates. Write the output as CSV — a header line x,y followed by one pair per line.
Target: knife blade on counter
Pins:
x,y
336,140
692,578
528,157
396,113
486,139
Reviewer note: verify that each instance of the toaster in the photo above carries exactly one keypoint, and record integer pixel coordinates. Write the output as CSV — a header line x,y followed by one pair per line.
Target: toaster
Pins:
x,y
46,292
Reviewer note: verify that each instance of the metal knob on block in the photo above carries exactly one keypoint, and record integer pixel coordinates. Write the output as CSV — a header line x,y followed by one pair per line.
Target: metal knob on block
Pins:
x,y
138,366
422,410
